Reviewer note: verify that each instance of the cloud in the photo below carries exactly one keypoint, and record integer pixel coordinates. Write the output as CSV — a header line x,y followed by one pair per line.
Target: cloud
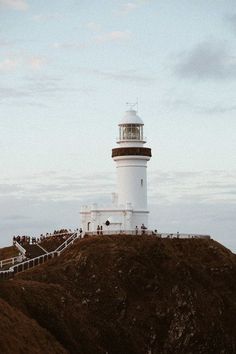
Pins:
x,y
36,63
169,187
98,39
217,109
19,5
45,18
9,189
8,92
58,187
127,8
9,64
127,75
70,45
16,217
113,36
37,86
210,109
22,62
203,186
49,85
208,60
4,43
94,26
231,19
216,219
34,87
188,201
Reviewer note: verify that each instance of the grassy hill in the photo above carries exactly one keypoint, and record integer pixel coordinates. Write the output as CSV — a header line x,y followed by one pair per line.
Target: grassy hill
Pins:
x,y
125,295
8,252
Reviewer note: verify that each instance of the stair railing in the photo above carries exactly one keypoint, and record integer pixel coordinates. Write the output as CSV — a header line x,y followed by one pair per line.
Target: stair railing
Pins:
x,y
11,261
67,242
20,248
43,249
30,263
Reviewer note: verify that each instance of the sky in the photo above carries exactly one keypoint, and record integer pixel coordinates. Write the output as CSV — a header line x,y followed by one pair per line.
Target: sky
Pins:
x,y
67,69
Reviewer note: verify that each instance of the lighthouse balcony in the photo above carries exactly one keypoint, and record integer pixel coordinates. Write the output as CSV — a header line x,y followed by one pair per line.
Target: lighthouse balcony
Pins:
x,y
131,151
132,142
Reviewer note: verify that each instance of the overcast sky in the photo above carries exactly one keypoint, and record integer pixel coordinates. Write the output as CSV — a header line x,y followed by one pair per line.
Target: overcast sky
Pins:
x,y
67,68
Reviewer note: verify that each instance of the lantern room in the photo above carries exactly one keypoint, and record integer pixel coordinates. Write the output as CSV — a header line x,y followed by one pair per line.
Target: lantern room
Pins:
x,y
131,127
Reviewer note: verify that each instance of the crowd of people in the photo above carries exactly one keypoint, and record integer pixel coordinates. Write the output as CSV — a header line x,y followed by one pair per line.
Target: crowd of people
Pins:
x,y
62,233
22,240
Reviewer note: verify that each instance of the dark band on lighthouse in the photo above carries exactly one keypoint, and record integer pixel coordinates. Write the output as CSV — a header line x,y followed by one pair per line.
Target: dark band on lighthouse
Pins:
x,y
131,151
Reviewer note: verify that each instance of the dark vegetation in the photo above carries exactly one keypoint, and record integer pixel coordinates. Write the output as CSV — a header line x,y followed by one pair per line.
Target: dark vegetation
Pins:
x,y
8,252
124,295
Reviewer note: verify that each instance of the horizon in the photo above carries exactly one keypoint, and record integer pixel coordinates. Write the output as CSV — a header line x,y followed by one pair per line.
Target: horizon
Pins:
x,y
67,70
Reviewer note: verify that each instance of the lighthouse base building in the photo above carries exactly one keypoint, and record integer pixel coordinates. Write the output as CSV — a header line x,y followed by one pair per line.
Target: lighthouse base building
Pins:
x,y
112,219
128,210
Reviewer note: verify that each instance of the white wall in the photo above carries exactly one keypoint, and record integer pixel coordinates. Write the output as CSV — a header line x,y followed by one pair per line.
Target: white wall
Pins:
x,y
132,181
120,219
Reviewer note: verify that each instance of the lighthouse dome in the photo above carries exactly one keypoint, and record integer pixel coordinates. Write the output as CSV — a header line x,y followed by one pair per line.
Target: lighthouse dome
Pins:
x,y
131,117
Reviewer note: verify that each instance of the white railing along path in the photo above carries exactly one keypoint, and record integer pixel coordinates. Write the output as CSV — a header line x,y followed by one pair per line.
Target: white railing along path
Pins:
x,y
146,232
20,248
11,261
30,263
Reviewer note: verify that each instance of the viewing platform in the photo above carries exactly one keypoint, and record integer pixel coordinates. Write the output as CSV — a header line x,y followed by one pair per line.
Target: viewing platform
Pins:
x,y
146,232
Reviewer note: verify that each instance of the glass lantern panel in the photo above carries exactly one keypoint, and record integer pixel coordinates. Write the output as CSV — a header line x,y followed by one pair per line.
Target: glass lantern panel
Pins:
x,y
131,132
127,132
136,132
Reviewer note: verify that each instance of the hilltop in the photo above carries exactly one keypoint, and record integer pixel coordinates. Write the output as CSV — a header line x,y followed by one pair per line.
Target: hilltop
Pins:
x,y
124,295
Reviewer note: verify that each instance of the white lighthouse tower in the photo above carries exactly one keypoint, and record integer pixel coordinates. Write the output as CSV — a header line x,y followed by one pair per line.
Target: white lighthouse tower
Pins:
x,y
129,204
131,164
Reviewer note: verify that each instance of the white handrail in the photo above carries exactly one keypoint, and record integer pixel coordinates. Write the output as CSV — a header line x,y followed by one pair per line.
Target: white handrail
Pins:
x,y
43,249
47,255
67,242
146,232
30,263
180,235
43,237
20,248
12,260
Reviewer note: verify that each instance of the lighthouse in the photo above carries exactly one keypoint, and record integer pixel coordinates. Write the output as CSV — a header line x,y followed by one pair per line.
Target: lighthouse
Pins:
x,y
129,209
131,166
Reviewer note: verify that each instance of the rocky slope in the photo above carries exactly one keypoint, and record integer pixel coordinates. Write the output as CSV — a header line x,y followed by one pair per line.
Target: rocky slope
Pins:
x,y
21,334
125,295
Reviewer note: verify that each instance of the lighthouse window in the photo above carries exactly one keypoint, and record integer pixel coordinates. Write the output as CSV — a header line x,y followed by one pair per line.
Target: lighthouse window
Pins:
x,y
141,182
131,132
136,132
127,132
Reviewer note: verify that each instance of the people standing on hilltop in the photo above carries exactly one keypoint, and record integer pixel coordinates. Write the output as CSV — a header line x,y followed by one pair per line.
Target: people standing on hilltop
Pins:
x,y
143,228
98,230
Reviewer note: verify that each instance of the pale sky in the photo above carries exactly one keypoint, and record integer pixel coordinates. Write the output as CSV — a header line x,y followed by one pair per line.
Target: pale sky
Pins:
x,y
68,67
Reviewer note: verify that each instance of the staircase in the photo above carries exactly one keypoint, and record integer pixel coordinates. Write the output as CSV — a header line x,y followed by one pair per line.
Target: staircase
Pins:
x,y
37,255
33,251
